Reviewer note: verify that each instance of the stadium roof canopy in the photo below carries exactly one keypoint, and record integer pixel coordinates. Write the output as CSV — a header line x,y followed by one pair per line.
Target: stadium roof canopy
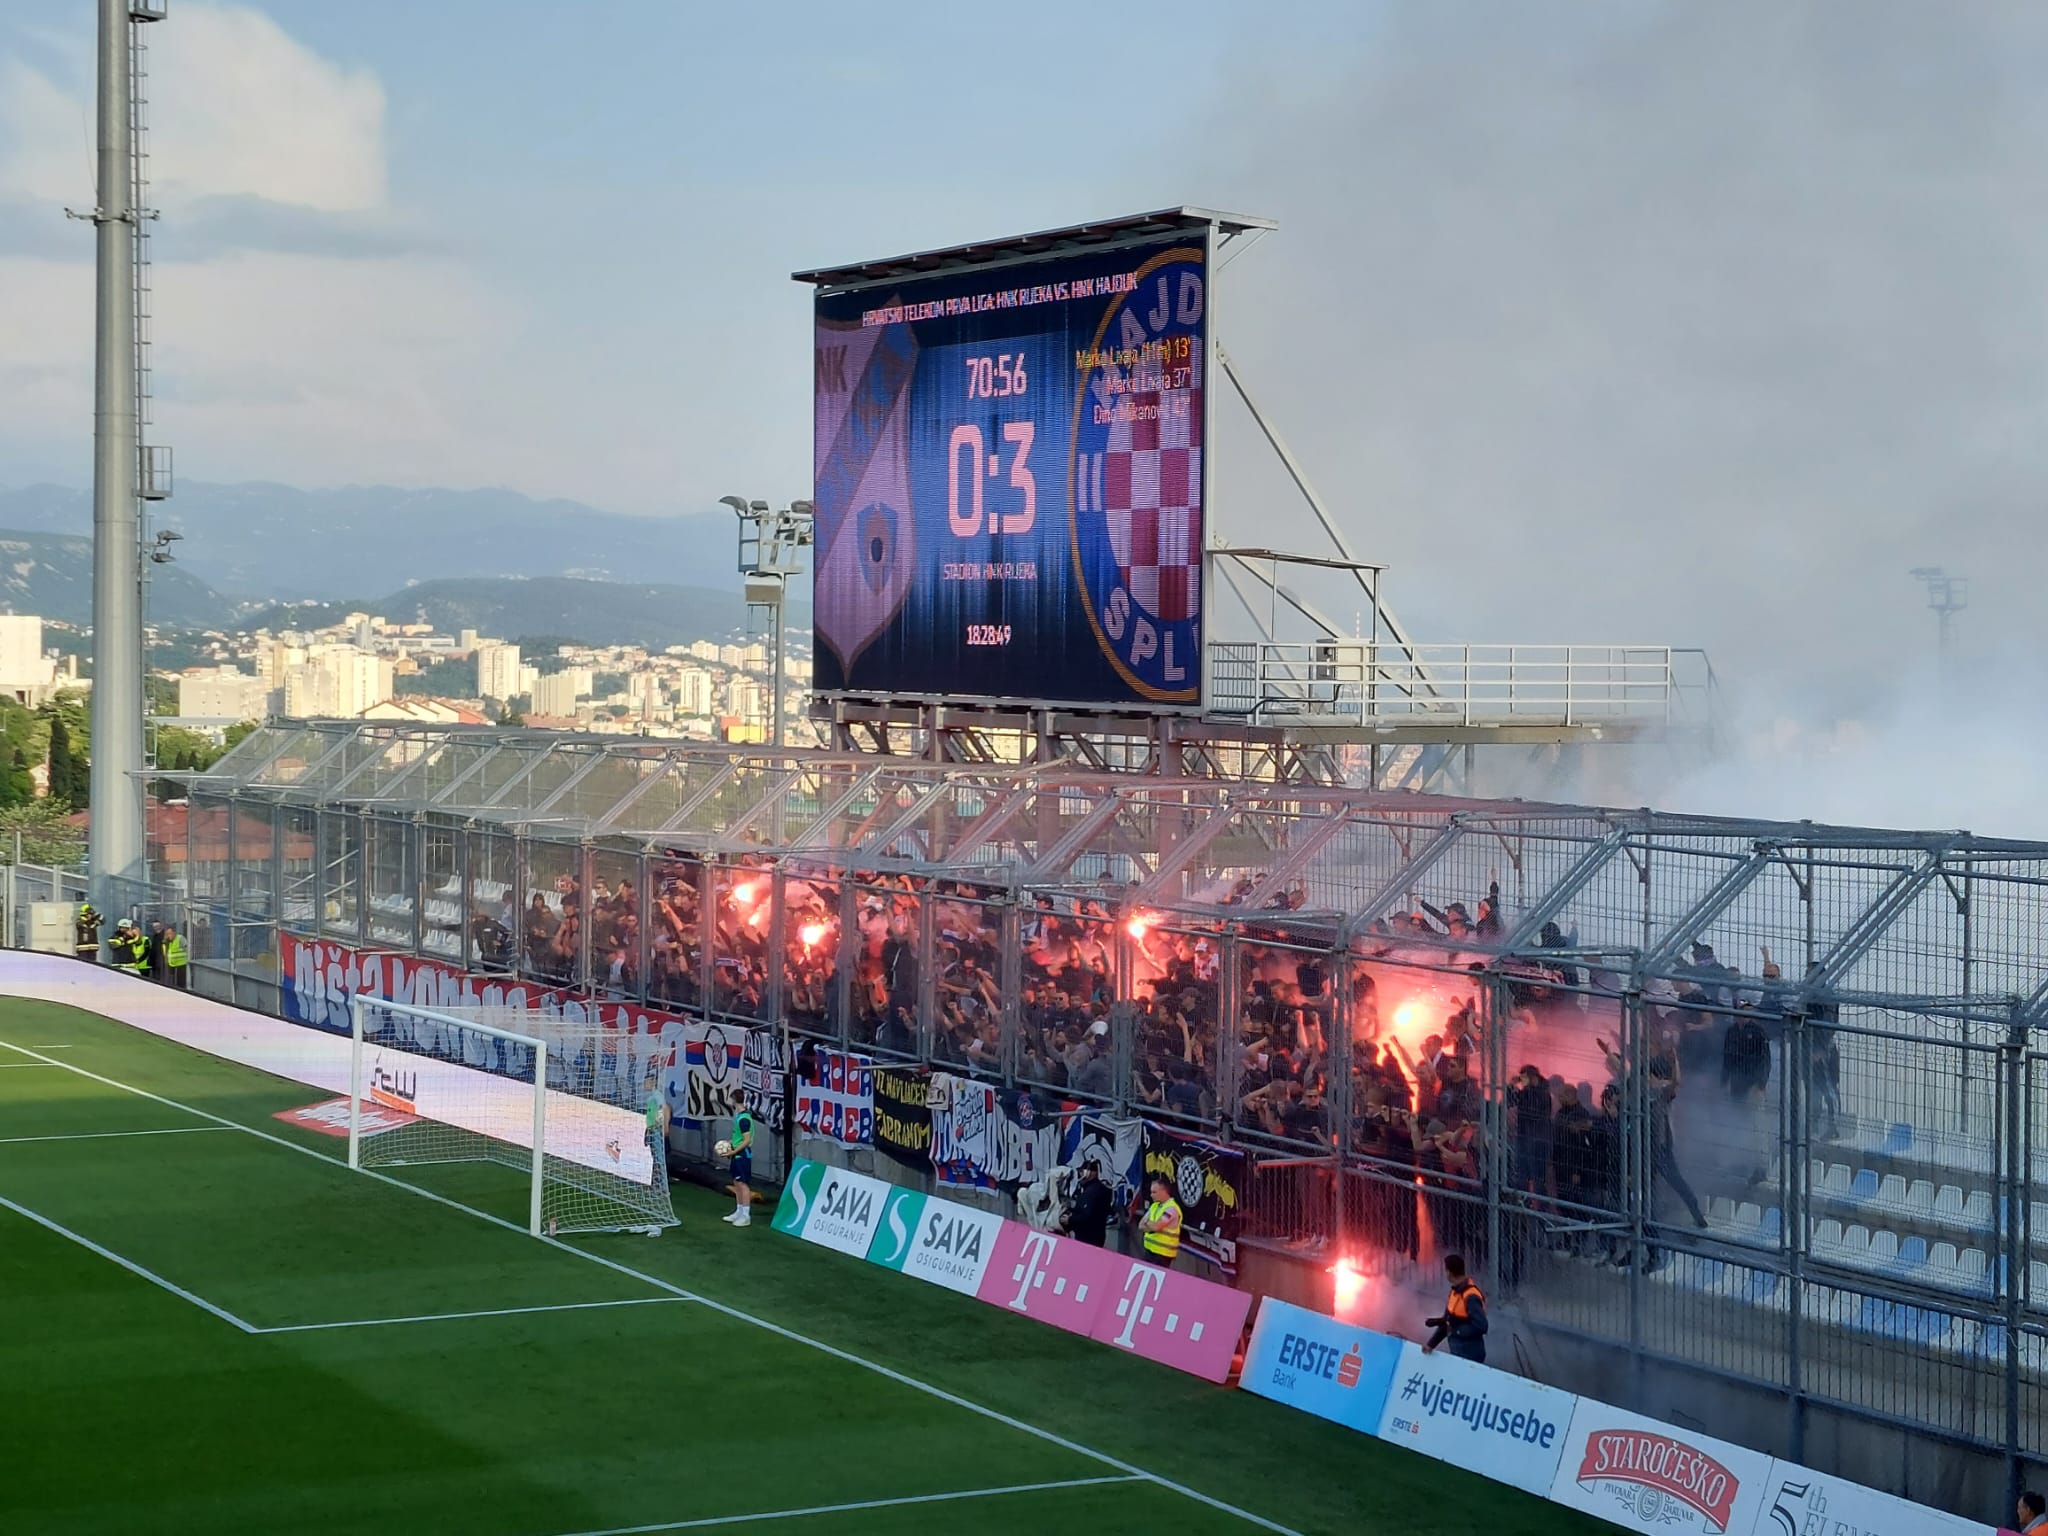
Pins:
x,y
1941,923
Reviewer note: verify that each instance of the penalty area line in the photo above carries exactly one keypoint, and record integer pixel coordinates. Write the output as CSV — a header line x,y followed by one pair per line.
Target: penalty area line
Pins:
x,y
173,1130
454,1317
130,1265
888,1373
712,1522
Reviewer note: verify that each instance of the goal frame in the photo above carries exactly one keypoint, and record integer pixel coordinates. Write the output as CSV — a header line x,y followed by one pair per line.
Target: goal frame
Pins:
x,y
539,1088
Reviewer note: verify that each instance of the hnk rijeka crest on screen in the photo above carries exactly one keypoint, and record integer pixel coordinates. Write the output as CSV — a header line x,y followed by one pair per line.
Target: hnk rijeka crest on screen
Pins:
x,y
1137,477
866,539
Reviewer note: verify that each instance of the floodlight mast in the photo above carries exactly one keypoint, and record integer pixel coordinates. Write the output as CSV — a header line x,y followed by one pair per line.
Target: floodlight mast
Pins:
x,y
770,552
1947,596
124,470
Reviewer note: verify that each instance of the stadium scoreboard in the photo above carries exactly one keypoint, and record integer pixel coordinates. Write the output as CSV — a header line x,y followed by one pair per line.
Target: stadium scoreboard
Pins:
x,y
1011,475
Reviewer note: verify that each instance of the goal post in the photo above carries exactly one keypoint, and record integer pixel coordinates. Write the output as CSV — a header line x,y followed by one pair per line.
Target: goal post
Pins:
x,y
561,1102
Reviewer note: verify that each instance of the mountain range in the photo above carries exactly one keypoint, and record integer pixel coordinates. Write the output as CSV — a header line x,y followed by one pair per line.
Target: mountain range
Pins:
x,y
490,560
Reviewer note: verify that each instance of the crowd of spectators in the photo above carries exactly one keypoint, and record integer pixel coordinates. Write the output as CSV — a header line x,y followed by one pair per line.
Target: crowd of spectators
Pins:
x,y
1114,1004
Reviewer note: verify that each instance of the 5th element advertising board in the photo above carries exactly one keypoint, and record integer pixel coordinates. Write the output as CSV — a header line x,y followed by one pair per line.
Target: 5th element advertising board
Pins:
x,y
1010,470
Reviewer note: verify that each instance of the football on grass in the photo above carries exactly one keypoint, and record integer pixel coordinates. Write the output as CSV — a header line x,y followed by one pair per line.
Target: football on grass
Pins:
x,y
723,1149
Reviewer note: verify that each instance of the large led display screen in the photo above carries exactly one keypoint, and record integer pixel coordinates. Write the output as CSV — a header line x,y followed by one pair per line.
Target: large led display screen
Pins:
x,y
1009,480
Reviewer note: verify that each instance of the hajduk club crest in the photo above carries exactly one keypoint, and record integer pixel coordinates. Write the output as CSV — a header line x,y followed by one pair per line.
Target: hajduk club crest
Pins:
x,y
1137,477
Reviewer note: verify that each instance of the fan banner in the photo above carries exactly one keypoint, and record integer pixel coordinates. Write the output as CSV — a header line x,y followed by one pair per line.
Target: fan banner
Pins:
x,y
764,1079
903,1116
703,1080
986,1138
1207,1180
839,1104
1115,1145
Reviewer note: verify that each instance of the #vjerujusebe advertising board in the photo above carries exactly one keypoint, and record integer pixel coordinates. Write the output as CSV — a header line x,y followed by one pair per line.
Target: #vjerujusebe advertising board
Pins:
x,y
1009,480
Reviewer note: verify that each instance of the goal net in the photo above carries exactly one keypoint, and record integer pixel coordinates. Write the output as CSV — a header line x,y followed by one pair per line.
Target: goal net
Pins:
x,y
562,1102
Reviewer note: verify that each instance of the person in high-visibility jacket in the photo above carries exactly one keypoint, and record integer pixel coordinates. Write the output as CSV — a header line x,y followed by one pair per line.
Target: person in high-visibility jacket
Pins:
x,y
1160,1227
176,958
1463,1325
130,949
85,933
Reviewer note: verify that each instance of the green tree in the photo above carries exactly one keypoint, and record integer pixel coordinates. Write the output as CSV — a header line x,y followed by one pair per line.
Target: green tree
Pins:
x,y
62,771
46,836
237,734
20,785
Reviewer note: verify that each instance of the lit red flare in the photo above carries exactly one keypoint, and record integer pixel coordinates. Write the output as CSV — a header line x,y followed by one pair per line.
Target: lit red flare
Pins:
x,y
812,934
1349,1285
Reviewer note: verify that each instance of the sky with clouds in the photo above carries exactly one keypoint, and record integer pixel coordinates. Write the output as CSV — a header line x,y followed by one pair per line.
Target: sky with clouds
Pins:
x,y
1688,322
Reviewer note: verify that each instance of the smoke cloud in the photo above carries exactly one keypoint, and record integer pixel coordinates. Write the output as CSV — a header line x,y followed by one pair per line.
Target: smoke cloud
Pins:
x,y
1699,324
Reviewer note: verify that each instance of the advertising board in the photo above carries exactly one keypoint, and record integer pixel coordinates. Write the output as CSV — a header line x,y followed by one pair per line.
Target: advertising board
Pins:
x,y
835,1208
1179,1320
1636,1471
1510,1429
1009,479
1052,1279
935,1240
1799,1501
1315,1363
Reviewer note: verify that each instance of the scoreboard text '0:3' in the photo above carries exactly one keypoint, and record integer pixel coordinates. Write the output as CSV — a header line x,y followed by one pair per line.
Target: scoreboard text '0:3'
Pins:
x,y
1010,479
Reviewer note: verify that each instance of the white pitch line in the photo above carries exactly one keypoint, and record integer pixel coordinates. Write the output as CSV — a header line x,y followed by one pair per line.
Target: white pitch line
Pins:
x,y
887,1373
451,1317
24,1065
175,1130
839,1509
130,1265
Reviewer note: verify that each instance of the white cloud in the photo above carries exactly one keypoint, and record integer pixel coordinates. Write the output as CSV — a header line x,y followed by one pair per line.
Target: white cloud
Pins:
x,y
237,109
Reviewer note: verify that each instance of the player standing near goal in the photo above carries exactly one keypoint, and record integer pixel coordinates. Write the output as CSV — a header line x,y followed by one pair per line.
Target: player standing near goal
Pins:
x,y
741,1148
657,1128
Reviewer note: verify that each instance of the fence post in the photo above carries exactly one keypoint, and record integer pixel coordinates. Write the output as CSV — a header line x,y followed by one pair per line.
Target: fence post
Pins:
x,y
1638,1174
2012,1258
1795,1166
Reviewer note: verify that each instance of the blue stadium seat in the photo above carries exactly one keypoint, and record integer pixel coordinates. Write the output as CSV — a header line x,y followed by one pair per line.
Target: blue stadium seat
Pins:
x,y
1912,1253
1864,1186
1774,1223
1898,1140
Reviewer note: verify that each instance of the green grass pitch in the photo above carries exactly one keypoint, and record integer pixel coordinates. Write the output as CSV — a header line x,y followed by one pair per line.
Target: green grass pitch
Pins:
x,y
170,1365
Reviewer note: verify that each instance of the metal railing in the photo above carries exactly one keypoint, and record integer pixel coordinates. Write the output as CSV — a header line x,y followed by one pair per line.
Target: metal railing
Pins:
x,y
1366,682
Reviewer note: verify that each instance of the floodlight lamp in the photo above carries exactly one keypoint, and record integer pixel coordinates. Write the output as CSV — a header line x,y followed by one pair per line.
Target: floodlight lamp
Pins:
x,y
737,503
759,506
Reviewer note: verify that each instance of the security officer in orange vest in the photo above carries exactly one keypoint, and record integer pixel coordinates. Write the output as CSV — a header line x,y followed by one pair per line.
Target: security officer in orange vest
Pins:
x,y
1463,1324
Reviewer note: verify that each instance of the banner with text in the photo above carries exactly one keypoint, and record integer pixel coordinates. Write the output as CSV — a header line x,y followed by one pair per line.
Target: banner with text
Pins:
x,y
835,1208
903,1118
764,1079
1473,1416
935,1240
1809,1503
984,1137
1308,1361
1631,1470
703,1080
